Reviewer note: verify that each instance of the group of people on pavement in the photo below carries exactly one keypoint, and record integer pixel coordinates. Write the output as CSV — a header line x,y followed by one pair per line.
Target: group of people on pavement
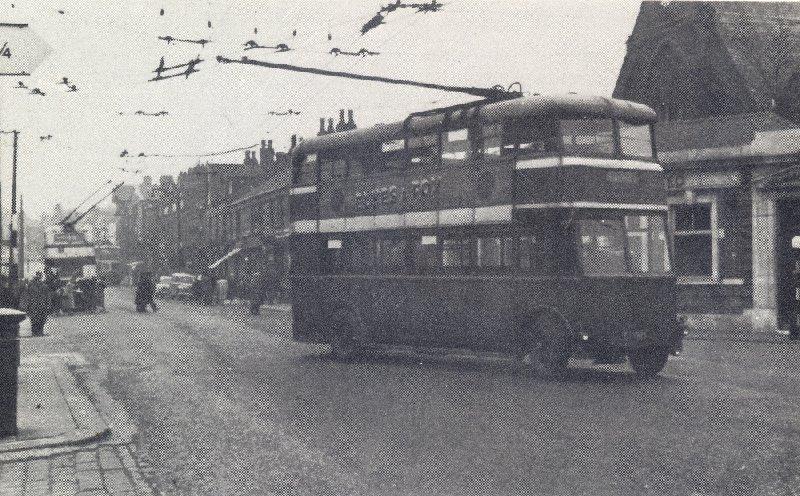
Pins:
x,y
75,294
46,294
262,287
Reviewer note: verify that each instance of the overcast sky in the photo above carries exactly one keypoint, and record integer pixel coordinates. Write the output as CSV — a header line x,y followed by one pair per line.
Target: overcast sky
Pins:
x,y
109,48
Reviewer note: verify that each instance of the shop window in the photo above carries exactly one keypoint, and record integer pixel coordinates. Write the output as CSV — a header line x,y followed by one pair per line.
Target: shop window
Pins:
x,y
694,240
588,137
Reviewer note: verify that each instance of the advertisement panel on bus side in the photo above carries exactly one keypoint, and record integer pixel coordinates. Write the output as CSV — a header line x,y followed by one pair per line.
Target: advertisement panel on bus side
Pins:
x,y
471,185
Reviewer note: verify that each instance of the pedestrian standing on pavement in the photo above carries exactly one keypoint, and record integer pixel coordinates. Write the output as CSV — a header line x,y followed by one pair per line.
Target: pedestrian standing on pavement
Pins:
x,y
100,294
68,296
35,300
209,285
271,281
256,292
145,293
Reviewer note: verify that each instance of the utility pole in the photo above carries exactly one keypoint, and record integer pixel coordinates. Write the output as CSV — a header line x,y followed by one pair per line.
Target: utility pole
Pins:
x,y
178,237
13,268
21,240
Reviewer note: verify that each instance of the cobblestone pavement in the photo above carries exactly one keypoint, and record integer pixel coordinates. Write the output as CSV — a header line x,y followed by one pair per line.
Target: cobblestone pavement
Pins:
x,y
93,471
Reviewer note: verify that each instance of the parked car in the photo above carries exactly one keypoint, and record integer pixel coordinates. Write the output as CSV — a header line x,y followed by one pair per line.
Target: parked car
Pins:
x,y
183,285
164,287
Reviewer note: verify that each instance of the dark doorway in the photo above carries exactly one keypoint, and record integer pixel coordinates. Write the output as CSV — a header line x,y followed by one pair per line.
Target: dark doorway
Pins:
x,y
788,266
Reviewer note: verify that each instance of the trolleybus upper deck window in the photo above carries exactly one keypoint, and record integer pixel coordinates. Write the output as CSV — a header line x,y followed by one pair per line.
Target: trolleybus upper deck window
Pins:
x,y
588,137
531,137
332,165
392,157
635,140
305,168
423,150
455,145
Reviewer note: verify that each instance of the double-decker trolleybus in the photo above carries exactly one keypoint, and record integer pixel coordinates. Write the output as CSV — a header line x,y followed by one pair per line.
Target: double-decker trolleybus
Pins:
x,y
532,226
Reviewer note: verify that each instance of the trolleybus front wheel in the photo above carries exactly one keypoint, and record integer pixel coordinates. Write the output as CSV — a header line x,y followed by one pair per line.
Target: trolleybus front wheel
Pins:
x,y
548,348
648,362
344,329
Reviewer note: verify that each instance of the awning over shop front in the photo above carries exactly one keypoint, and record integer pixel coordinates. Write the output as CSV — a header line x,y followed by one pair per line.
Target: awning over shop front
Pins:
x,y
227,256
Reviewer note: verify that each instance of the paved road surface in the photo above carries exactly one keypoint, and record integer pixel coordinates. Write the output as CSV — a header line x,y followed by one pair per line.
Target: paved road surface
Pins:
x,y
226,403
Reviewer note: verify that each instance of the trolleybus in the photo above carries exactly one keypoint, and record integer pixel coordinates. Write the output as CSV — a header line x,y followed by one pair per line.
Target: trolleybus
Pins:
x,y
533,226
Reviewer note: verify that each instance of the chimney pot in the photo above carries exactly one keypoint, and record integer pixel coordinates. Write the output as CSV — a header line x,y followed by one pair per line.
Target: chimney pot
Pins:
x,y
321,126
267,158
330,126
341,125
351,124
294,140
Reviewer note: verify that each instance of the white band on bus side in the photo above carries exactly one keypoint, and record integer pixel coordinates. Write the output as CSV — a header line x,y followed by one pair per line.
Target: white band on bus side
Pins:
x,y
601,205
449,217
601,163
303,190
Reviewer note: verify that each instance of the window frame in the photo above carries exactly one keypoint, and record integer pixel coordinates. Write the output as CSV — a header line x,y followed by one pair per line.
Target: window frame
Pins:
x,y
651,131
713,231
615,145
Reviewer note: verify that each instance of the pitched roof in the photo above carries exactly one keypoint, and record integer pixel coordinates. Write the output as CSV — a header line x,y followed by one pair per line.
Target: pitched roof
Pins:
x,y
763,40
747,48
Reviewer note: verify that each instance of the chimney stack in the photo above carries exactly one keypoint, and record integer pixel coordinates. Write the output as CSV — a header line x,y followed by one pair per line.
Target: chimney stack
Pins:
x,y
321,126
351,124
267,154
330,126
294,142
341,125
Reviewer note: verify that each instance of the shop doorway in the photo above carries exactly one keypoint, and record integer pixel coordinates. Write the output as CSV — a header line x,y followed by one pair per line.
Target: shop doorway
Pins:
x,y
788,266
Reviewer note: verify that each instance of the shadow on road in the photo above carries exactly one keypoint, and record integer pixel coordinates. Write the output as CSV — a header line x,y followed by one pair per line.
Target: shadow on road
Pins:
x,y
582,373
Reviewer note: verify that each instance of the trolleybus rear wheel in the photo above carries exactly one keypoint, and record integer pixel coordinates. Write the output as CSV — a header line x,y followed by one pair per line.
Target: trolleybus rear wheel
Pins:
x,y
548,348
648,362
344,327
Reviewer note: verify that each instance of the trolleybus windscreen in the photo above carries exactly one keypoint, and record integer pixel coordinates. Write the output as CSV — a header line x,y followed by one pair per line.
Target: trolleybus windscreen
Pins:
x,y
635,141
633,244
588,137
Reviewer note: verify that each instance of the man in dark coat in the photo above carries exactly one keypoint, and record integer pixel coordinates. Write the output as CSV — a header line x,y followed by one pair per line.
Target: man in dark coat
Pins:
x,y
257,292
35,300
145,292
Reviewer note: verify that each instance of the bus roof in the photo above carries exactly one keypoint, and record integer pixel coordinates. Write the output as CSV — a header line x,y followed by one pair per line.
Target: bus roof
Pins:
x,y
570,104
